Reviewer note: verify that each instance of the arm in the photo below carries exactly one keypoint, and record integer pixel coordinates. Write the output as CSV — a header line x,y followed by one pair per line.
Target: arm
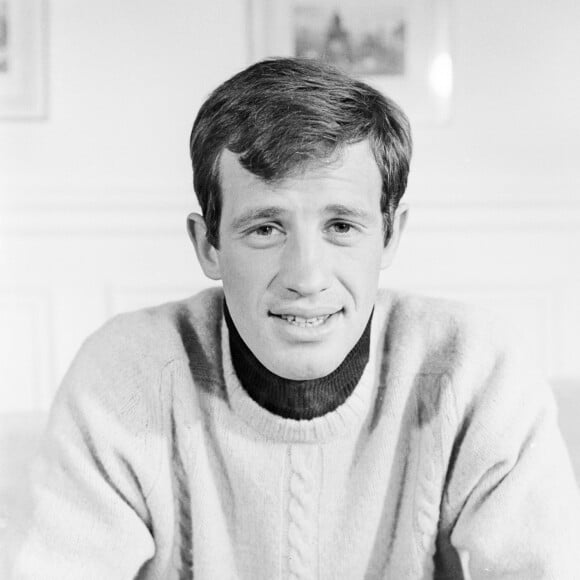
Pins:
x,y
90,518
512,504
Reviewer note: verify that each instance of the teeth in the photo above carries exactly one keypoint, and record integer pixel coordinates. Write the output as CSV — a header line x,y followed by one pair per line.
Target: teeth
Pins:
x,y
305,322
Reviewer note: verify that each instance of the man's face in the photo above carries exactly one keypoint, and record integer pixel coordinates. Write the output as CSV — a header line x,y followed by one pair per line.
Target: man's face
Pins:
x,y
300,260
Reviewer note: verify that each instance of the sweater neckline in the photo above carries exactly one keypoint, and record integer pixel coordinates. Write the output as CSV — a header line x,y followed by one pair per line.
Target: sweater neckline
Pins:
x,y
292,399
340,422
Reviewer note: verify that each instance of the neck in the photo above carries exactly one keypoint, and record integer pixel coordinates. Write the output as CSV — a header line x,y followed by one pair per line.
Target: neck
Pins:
x,y
291,399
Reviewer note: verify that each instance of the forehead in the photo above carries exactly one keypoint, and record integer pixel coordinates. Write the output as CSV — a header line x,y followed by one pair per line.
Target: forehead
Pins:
x,y
352,177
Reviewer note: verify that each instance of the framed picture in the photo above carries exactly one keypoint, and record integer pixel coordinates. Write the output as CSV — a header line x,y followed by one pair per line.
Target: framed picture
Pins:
x,y
22,59
401,47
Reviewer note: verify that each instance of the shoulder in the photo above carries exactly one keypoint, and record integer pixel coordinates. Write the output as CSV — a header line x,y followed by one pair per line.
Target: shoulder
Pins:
x,y
438,324
126,365
466,350
158,334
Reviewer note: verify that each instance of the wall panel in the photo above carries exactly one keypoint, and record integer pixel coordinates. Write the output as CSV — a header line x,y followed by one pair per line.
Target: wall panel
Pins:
x,y
26,359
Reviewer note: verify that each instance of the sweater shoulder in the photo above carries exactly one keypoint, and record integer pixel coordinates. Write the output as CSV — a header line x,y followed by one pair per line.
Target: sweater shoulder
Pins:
x,y
162,332
443,324
136,356
438,345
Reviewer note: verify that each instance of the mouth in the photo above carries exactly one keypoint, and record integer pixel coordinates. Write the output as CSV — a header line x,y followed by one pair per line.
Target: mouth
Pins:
x,y
305,321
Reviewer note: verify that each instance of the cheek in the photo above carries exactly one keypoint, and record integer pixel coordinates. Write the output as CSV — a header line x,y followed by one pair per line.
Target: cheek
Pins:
x,y
361,268
243,278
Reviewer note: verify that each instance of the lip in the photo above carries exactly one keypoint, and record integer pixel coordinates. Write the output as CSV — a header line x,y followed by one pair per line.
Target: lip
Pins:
x,y
299,333
304,313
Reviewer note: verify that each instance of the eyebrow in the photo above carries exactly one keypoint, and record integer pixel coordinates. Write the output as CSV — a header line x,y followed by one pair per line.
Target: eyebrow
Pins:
x,y
252,215
345,211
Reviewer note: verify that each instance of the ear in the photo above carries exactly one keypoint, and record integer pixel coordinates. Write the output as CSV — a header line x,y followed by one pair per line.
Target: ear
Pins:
x,y
207,255
399,222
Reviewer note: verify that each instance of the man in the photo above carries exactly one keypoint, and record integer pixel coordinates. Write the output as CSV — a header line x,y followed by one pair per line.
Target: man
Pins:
x,y
300,423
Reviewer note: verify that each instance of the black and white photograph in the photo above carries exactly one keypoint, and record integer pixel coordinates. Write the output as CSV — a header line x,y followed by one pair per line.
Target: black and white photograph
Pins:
x,y
404,48
365,37
4,36
289,290
23,59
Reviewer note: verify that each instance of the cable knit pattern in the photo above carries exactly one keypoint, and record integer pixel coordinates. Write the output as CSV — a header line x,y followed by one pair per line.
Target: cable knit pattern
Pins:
x,y
303,513
434,416
446,455
183,557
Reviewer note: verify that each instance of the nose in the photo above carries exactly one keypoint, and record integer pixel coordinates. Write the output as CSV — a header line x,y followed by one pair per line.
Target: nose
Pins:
x,y
305,266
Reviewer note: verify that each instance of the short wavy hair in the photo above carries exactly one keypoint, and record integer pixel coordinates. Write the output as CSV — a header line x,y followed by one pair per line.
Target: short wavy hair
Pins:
x,y
281,115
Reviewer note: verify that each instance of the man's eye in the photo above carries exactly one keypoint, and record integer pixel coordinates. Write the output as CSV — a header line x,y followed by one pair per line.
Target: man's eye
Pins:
x,y
263,231
341,228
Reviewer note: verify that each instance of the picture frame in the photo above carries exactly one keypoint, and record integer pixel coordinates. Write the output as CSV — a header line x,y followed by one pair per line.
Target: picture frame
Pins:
x,y
23,30
401,47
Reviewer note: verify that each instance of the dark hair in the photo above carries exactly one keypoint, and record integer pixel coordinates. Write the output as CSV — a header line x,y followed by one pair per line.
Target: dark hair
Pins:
x,y
281,114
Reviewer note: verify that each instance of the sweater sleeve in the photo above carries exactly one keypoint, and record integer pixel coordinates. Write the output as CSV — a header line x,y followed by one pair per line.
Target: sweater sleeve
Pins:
x,y
91,479
512,502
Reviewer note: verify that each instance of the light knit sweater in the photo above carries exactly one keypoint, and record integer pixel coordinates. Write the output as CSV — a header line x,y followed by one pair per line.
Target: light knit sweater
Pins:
x,y
446,457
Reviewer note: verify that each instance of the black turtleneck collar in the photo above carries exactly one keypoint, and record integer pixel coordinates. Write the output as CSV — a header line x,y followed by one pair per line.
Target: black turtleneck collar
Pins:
x,y
297,399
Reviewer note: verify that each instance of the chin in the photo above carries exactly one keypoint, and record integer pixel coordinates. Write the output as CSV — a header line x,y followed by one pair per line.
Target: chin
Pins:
x,y
304,370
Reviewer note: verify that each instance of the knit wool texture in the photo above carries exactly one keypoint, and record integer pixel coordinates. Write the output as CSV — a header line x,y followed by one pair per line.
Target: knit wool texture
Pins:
x,y
445,461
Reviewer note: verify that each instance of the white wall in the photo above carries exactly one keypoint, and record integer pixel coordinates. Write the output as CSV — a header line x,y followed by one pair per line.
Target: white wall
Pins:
x,y
125,78
93,200
515,132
